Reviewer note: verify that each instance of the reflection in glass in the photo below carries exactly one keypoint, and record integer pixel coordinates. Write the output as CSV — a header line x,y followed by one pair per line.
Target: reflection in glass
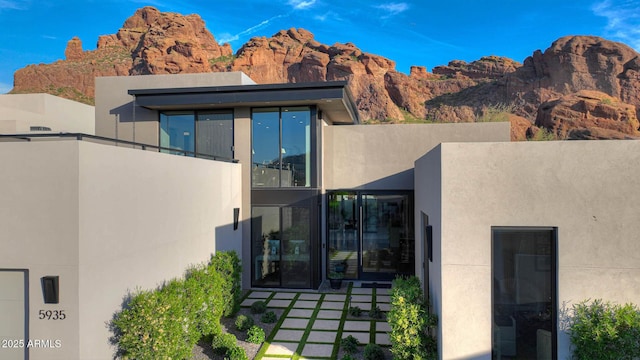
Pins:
x,y
296,147
523,304
177,131
343,234
265,228
281,147
387,236
295,247
215,134
265,147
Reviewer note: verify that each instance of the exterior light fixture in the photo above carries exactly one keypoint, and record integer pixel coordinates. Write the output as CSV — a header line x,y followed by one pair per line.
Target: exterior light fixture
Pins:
x,y
50,289
236,217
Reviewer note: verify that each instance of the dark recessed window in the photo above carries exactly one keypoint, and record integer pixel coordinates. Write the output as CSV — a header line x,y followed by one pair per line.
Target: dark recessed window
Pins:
x,y
281,147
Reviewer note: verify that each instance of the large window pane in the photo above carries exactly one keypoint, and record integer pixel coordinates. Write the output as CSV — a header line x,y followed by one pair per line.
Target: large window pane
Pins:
x,y
523,293
266,244
343,234
215,134
265,147
296,247
177,131
296,147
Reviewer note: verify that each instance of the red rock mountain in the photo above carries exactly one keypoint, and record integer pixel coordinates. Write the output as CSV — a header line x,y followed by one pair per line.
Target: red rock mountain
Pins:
x,y
580,88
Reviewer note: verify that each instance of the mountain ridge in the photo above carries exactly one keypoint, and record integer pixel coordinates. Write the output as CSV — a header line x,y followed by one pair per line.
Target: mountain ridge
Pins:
x,y
581,87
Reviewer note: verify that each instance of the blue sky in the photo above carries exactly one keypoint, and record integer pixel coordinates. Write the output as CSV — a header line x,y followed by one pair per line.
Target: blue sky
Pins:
x,y
411,32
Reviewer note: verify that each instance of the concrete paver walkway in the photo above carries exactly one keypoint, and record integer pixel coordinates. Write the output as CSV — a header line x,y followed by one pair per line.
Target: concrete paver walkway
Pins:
x,y
313,323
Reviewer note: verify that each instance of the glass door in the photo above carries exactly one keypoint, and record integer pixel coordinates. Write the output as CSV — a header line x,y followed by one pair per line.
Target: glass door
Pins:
x,y
370,235
343,233
524,296
387,241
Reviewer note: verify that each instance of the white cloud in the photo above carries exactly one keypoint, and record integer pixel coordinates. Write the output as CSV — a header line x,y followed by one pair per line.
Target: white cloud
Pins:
x,y
227,38
623,20
330,15
5,88
13,5
393,8
301,4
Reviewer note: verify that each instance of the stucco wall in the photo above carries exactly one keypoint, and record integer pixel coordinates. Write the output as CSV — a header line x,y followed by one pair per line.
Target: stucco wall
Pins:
x,y
115,113
375,157
107,220
39,232
583,188
18,112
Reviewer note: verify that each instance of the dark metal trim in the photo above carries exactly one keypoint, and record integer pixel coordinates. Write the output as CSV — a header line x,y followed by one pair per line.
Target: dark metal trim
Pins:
x,y
81,136
241,88
554,277
26,307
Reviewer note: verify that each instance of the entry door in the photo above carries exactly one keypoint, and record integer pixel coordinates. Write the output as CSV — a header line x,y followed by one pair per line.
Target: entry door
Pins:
x,y
386,244
524,293
370,235
13,319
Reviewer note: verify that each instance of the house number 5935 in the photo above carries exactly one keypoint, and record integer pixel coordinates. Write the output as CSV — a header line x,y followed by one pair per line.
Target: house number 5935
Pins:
x,y
51,315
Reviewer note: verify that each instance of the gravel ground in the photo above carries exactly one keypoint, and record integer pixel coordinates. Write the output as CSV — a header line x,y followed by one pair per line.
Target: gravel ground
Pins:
x,y
203,350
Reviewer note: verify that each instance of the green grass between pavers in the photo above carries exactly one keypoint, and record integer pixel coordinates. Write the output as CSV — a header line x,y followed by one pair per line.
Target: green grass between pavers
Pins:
x,y
303,340
373,325
345,312
269,338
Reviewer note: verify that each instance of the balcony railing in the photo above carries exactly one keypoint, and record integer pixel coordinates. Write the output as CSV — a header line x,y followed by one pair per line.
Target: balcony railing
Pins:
x,y
106,140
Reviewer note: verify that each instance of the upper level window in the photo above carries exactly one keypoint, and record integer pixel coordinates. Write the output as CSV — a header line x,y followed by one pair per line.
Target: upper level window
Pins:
x,y
281,147
208,133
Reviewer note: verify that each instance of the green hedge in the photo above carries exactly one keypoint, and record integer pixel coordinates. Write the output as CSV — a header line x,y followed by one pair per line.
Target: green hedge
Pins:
x,y
410,321
605,331
169,321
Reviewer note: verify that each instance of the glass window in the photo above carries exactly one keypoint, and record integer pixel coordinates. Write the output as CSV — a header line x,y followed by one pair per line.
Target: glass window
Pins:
x,y
296,147
265,147
281,246
266,244
215,134
524,304
177,132
281,147
295,246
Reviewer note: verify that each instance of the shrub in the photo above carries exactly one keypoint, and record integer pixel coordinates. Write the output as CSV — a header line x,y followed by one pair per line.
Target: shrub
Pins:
x,y
258,307
373,352
203,286
601,330
169,321
223,343
243,322
147,328
237,353
349,344
410,322
227,264
355,311
375,313
255,335
348,357
269,317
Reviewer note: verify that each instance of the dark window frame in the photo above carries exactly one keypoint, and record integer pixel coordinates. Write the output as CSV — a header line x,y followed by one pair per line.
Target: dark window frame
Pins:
x,y
314,148
555,308
195,114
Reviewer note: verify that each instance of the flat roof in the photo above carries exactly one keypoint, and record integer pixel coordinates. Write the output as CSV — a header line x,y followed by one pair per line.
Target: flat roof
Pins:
x,y
333,98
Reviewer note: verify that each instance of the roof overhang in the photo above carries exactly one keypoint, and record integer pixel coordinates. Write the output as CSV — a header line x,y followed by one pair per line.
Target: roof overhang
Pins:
x,y
333,98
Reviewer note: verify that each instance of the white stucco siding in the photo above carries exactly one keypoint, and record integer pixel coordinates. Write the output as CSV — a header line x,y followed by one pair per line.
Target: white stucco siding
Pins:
x,y
585,189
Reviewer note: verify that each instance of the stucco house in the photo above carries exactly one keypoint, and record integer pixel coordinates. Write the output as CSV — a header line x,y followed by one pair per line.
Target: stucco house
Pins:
x,y
502,234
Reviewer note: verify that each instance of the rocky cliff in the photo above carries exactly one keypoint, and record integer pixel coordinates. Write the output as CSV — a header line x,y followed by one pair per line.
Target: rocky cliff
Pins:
x,y
580,87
